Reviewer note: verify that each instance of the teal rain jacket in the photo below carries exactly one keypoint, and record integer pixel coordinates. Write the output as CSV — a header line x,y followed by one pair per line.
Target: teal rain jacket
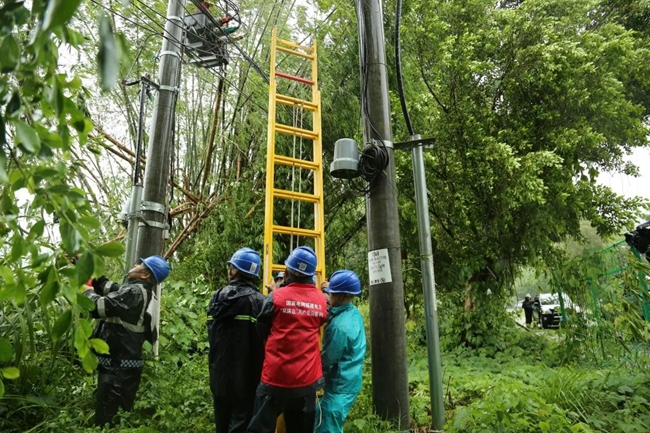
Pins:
x,y
344,348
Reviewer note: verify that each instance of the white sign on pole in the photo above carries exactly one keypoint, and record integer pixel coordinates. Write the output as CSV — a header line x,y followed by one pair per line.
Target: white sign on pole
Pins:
x,y
379,267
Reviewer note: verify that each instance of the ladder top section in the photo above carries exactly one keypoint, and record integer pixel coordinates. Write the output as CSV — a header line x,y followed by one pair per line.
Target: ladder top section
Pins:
x,y
295,46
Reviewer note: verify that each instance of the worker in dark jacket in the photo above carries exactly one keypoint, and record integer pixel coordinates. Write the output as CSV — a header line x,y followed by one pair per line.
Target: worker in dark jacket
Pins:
x,y
236,350
290,321
527,305
123,325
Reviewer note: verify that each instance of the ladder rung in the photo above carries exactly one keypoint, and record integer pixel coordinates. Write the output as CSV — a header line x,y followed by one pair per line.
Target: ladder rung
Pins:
x,y
295,53
294,45
294,78
284,230
292,195
295,162
277,267
298,132
291,101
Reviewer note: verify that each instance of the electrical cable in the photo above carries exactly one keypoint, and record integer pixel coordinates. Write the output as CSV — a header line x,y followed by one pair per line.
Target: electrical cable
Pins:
x,y
398,67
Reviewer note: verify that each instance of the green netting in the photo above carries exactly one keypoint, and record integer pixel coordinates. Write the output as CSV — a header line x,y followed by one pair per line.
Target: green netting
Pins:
x,y
604,303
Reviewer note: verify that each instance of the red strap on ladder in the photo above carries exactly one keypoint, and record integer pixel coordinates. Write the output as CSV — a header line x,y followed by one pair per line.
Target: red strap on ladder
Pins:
x,y
294,78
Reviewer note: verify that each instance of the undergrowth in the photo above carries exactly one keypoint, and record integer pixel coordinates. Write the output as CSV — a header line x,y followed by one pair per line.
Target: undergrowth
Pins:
x,y
526,384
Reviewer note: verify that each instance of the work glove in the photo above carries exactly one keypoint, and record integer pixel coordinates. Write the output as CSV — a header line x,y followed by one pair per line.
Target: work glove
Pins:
x,y
98,284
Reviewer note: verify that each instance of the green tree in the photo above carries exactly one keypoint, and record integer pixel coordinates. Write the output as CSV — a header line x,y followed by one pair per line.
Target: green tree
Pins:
x,y
527,104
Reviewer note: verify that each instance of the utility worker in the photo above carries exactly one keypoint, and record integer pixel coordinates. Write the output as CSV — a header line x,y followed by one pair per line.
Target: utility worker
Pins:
x,y
236,350
527,305
124,325
344,348
277,282
290,321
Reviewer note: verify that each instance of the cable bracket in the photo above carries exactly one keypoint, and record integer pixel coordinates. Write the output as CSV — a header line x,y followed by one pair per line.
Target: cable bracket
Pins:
x,y
156,224
153,207
170,53
169,89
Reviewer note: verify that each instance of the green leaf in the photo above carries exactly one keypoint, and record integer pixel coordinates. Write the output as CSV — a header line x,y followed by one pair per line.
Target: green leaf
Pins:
x,y
10,373
45,173
62,325
10,54
2,388
7,274
89,362
85,325
13,106
108,57
70,237
90,222
84,266
81,342
58,12
84,302
3,162
36,231
110,249
7,291
39,260
6,350
50,289
99,346
27,137
18,248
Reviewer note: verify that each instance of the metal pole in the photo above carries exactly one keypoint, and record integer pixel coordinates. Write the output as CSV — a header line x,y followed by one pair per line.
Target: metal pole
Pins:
x,y
154,206
136,189
429,288
388,343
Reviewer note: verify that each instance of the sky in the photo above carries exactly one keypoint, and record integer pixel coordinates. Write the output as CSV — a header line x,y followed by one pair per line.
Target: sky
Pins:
x,y
629,186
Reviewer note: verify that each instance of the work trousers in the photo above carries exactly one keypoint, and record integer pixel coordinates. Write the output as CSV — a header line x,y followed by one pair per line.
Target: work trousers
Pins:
x,y
232,414
116,387
528,312
332,410
298,413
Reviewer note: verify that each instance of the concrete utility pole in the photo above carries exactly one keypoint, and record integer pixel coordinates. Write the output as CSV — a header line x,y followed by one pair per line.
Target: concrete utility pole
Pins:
x,y
156,180
388,341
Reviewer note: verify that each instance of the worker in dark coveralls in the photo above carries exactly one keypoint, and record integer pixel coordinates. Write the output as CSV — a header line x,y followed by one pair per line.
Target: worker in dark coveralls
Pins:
x,y
290,322
124,325
236,350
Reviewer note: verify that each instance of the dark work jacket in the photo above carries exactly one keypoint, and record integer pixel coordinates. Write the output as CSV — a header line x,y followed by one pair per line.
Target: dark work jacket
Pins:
x,y
121,310
527,305
236,350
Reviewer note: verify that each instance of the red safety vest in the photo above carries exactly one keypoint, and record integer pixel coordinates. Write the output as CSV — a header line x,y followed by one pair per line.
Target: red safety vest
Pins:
x,y
292,355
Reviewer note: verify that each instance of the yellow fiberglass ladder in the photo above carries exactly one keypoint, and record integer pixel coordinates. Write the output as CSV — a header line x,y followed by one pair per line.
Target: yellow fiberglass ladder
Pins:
x,y
299,97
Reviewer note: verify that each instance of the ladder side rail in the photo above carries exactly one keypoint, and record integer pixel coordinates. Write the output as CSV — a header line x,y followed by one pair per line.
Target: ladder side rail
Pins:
x,y
270,170
319,208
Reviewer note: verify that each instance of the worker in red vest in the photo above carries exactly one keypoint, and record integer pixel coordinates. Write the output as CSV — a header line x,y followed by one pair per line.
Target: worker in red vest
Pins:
x,y
290,321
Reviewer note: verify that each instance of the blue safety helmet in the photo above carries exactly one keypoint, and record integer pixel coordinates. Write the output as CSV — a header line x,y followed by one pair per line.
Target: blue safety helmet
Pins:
x,y
158,267
247,261
302,260
344,282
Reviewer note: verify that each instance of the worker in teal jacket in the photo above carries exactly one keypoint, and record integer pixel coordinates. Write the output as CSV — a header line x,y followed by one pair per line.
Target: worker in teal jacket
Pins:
x,y
344,348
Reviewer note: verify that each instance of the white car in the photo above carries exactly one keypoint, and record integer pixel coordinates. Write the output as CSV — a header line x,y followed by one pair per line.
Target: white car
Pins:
x,y
550,308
